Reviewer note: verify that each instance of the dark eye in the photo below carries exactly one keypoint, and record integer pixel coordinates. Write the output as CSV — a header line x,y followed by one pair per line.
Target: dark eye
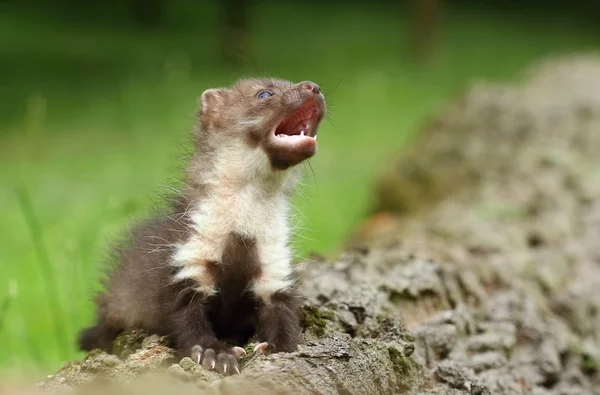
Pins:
x,y
264,94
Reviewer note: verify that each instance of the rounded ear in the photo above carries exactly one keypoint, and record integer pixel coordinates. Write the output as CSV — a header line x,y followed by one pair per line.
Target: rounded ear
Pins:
x,y
211,103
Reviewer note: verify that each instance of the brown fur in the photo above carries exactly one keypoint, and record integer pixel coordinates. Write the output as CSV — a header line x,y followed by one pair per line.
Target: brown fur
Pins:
x,y
141,293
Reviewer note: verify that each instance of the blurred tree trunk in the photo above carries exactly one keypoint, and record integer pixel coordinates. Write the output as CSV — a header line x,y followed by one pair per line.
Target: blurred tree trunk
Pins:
x,y
425,29
234,21
147,13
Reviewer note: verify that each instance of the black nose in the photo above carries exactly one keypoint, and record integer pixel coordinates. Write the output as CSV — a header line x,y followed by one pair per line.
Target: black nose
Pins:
x,y
311,86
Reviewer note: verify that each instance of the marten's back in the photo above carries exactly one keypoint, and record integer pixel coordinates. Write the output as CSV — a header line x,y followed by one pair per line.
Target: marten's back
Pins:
x,y
139,287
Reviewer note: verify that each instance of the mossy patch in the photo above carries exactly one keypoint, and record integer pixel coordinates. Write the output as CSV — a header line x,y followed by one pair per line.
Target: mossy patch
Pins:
x,y
313,319
402,364
407,370
128,342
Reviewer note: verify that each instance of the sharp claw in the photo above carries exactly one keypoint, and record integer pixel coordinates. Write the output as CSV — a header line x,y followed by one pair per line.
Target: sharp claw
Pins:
x,y
224,368
261,346
212,365
238,351
196,350
237,370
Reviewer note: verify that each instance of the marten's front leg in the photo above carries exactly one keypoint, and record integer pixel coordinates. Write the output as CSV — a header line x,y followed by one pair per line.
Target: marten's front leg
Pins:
x,y
279,326
194,337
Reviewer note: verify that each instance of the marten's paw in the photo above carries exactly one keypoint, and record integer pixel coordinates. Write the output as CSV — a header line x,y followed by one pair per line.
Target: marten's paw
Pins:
x,y
224,361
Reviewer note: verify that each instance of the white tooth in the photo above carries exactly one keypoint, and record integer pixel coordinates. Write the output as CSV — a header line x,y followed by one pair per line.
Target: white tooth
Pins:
x,y
315,137
302,133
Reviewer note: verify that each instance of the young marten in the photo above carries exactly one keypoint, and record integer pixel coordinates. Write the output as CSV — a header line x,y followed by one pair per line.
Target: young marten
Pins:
x,y
215,270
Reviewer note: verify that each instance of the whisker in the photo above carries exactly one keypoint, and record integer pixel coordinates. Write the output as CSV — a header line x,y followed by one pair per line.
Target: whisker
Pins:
x,y
313,173
338,83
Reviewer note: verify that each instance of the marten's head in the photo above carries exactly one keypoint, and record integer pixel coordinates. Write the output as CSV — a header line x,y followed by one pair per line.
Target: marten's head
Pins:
x,y
260,125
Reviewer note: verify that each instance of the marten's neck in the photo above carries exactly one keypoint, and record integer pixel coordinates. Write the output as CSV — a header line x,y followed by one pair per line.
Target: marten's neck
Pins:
x,y
237,192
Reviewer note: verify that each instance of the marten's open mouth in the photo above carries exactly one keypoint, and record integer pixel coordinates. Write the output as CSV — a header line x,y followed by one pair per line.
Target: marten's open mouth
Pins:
x,y
300,125
294,139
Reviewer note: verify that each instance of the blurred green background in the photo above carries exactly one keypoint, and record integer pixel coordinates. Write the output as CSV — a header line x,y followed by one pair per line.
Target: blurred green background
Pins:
x,y
97,100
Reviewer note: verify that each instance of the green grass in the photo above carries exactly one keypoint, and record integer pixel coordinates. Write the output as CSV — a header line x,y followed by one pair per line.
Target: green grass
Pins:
x,y
92,118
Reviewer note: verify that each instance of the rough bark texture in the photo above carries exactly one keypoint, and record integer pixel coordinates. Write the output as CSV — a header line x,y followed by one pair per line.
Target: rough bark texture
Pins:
x,y
482,277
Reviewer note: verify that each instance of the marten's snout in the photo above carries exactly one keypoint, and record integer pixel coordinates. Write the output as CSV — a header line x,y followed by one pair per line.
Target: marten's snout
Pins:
x,y
311,86
294,137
